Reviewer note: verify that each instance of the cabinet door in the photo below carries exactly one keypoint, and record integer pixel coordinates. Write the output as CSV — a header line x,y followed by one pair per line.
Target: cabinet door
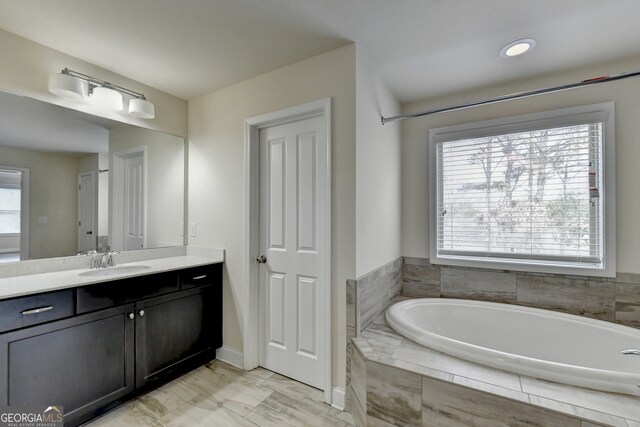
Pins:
x,y
173,330
81,363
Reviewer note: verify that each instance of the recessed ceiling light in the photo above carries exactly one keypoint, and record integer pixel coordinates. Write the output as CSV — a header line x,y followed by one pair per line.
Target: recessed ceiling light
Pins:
x,y
517,47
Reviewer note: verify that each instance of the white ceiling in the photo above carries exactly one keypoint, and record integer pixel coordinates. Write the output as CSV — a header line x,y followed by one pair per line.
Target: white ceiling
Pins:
x,y
420,48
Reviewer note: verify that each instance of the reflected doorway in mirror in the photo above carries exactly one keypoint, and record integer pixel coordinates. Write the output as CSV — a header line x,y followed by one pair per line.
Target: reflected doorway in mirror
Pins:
x,y
129,199
86,212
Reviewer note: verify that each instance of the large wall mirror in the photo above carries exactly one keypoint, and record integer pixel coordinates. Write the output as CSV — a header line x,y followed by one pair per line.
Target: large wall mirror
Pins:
x,y
71,182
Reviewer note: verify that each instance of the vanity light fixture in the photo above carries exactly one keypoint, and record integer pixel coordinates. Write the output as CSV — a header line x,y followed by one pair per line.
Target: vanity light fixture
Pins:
x,y
106,98
74,85
141,108
68,86
517,48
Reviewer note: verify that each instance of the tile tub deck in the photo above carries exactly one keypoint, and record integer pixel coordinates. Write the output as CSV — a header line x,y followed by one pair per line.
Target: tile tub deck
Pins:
x,y
395,381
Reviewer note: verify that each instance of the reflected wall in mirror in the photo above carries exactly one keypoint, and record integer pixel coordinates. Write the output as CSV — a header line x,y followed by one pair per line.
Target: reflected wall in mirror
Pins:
x,y
71,182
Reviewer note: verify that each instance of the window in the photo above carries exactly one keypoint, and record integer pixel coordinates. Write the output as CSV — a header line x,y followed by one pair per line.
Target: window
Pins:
x,y
532,193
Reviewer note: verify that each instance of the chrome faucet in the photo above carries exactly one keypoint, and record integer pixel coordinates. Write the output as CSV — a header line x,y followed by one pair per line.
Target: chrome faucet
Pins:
x,y
96,260
107,259
103,260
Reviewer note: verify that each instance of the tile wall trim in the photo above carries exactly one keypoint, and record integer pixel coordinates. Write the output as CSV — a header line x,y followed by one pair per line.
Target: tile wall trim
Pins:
x,y
407,394
609,299
620,277
367,297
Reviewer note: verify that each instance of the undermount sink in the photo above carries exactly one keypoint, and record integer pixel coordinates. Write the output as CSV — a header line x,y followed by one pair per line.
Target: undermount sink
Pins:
x,y
110,271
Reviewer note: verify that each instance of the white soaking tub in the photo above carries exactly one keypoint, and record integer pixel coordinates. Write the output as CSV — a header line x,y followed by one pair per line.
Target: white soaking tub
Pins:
x,y
539,343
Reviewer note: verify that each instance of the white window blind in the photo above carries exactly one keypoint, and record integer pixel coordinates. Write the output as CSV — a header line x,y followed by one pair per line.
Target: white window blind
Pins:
x,y
530,196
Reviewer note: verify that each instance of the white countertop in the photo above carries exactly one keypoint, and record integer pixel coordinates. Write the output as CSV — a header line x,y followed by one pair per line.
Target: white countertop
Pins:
x,y
17,286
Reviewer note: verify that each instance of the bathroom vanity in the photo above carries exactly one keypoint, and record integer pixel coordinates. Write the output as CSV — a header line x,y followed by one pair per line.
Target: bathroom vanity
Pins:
x,y
92,342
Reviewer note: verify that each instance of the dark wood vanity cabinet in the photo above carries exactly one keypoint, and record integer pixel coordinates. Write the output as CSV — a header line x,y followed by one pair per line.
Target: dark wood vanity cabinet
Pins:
x,y
82,363
92,362
162,346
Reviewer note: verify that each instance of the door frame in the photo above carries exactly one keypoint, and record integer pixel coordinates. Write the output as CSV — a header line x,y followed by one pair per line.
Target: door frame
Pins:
x,y
24,210
250,315
116,232
93,206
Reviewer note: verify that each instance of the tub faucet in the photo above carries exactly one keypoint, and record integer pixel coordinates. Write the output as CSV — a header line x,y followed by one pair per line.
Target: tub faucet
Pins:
x,y
631,351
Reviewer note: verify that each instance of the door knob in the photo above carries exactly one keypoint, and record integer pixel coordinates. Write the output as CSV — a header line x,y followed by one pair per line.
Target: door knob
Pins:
x,y
261,259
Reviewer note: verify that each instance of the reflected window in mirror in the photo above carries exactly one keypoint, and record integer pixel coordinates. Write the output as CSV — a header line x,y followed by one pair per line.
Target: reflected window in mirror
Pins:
x,y
10,215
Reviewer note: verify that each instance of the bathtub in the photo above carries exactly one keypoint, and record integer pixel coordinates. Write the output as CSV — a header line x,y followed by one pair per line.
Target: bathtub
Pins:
x,y
538,343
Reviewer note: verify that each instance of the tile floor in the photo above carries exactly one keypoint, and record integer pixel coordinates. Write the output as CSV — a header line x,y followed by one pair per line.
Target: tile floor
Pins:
x,y
219,394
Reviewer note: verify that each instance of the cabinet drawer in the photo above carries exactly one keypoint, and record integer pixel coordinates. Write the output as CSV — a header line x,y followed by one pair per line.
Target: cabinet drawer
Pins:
x,y
201,276
34,309
125,291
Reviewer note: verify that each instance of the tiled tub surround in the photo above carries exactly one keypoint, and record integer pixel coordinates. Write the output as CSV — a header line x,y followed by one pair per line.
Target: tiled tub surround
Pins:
x,y
610,299
367,297
371,294
539,343
398,382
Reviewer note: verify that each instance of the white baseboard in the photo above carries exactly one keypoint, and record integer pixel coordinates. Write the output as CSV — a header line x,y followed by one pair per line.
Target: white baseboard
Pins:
x,y
337,398
230,356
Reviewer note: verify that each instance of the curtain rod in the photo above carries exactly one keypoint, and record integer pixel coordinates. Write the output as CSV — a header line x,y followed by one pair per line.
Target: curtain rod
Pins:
x,y
517,95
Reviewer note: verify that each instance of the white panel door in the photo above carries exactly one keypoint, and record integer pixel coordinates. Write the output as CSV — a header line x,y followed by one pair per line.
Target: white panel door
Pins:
x,y
134,209
86,214
293,193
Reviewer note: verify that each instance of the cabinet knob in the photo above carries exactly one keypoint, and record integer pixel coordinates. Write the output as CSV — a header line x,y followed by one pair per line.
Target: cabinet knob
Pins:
x,y
141,313
131,316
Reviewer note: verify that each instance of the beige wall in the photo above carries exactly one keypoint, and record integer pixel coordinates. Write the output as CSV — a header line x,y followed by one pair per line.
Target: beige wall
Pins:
x,y
377,172
625,94
165,181
25,70
216,175
53,193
